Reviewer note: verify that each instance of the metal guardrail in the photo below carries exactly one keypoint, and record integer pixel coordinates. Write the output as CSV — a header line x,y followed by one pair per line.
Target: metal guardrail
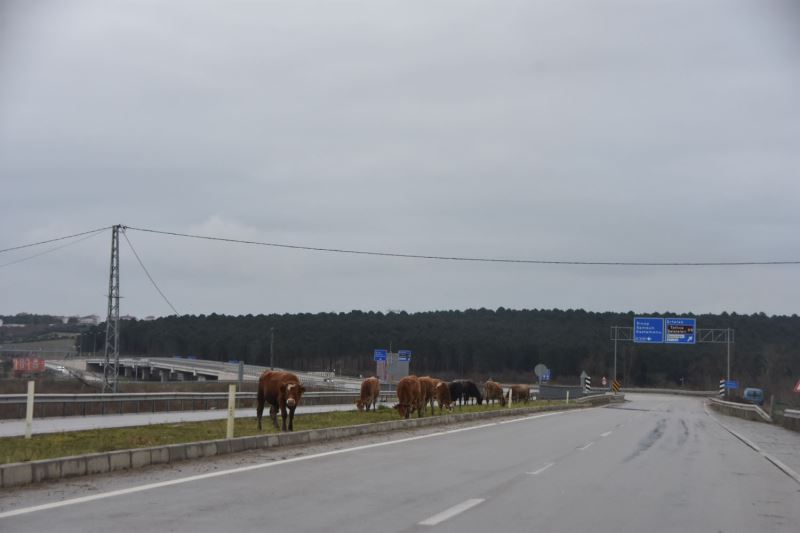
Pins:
x,y
742,407
791,413
672,391
83,404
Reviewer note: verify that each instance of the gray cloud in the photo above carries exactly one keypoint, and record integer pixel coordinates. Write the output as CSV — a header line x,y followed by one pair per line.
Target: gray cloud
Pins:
x,y
613,130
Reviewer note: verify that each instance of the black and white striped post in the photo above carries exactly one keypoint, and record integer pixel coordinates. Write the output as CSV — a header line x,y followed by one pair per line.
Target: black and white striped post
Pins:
x,y
722,384
587,384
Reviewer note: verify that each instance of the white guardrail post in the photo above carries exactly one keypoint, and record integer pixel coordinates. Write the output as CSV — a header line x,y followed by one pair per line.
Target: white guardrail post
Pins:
x,y
29,411
231,409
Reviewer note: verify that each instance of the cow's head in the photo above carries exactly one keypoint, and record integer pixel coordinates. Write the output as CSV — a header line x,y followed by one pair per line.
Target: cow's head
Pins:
x,y
403,408
360,405
292,393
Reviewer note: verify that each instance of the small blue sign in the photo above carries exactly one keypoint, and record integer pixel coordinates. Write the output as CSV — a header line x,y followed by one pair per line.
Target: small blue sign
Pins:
x,y
732,384
648,330
680,330
379,355
404,356
546,375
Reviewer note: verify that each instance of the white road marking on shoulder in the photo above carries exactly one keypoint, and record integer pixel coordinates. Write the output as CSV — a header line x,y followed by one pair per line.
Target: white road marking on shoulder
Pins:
x,y
584,447
530,417
606,434
209,475
451,512
542,469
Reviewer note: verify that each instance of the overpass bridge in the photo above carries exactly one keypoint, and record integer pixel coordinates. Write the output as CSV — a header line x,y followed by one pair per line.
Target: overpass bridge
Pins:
x,y
184,369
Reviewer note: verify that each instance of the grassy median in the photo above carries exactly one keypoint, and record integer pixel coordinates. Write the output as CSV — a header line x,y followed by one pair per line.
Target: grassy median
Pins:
x,y
50,445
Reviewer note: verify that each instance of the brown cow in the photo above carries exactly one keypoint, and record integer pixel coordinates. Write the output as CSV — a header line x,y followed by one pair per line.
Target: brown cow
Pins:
x,y
280,390
426,388
521,393
408,396
493,391
443,396
370,390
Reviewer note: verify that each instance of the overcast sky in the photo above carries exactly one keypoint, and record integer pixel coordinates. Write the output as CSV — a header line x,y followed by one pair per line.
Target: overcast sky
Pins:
x,y
599,130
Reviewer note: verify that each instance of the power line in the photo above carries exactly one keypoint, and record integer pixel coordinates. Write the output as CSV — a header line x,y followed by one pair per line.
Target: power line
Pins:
x,y
148,273
470,259
20,260
54,240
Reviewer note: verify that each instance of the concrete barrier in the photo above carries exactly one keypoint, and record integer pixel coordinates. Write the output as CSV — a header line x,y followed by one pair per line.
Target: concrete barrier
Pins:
x,y
16,474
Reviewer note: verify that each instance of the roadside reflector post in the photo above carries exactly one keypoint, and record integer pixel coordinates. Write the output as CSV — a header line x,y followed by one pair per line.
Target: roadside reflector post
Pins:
x,y
510,394
29,412
567,397
231,409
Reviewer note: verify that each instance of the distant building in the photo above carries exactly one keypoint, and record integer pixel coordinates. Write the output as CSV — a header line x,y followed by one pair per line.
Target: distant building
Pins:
x,y
149,318
127,317
89,320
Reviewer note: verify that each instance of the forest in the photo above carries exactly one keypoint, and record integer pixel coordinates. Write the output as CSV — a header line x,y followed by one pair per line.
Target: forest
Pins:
x,y
502,343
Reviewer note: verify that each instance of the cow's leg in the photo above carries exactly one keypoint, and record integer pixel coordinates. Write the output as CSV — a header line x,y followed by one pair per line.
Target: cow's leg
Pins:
x,y
291,418
283,416
273,414
260,411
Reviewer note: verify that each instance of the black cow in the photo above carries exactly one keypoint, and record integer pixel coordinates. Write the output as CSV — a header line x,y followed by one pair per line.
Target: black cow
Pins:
x,y
462,390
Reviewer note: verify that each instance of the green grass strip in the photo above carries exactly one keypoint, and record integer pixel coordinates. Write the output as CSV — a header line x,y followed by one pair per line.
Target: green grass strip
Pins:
x,y
51,445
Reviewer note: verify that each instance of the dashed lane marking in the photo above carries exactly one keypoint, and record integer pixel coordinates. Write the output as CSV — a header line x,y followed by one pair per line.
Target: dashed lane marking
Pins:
x,y
542,469
451,512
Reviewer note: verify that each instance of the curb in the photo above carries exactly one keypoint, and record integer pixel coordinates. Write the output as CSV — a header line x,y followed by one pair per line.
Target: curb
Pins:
x,y
18,474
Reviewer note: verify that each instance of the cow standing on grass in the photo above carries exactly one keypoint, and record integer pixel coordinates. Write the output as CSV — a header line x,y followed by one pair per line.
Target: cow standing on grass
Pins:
x,y
427,387
520,393
493,391
370,391
442,392
408,396
281,390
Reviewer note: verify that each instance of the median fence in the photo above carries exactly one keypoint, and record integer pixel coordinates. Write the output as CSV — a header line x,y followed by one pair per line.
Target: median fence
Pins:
x,y
48,405
16,474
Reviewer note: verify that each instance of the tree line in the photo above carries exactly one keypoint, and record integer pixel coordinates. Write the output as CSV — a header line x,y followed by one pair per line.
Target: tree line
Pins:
x,y
502,343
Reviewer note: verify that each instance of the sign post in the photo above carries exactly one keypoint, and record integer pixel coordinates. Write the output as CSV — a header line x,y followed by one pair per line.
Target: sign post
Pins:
x,y
29,412
231,410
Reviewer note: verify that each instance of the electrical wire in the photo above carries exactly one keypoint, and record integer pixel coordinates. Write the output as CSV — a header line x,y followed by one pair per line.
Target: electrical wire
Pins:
x,y
20,260
471,259
54,240
148,273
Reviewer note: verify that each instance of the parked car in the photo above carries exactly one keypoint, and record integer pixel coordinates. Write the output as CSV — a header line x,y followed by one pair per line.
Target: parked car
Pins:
x,y
754,395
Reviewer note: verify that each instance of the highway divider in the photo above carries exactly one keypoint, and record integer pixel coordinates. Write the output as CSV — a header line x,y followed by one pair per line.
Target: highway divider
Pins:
x,y
16,474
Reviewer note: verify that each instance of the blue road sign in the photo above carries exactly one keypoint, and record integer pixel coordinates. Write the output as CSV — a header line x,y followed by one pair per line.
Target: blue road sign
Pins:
x,y
680,330
379,354
732,384
546,375
404,355
648,329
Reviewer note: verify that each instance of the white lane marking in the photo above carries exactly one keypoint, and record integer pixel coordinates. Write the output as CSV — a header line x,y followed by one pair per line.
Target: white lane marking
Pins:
x,y
584,447
530,417
606,434
451,512
542,469
199,477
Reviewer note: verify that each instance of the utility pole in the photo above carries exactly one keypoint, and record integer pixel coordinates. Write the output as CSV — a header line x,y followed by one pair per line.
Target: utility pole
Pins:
x,y
272,348
112,319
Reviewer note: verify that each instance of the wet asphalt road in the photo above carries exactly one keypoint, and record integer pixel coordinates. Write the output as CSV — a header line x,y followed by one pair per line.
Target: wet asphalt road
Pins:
x,y
657,463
